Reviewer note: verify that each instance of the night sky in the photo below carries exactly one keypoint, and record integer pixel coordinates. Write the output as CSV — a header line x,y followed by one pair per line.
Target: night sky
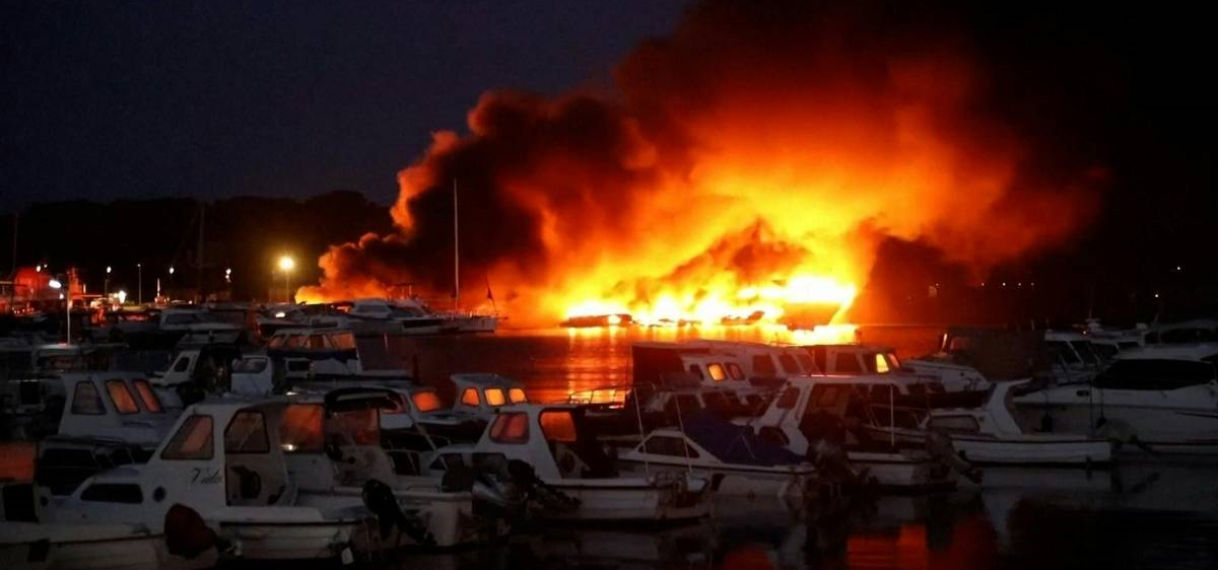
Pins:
x,y
104,100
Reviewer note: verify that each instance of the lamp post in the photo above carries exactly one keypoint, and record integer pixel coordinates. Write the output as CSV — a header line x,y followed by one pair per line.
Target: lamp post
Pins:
x,y
139,268
106,283
286,263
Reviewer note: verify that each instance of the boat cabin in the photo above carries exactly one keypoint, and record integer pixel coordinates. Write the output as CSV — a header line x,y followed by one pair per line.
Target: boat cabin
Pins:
x,y
853,359
482,394
108,420
548,437
812,407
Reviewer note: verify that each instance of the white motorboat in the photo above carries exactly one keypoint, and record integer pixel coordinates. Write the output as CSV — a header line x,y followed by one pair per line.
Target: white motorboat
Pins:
x,y
222,476
990,435
323,354
408,317
1161,398
109,419
739,464
333,448
812,413
32,539
571,468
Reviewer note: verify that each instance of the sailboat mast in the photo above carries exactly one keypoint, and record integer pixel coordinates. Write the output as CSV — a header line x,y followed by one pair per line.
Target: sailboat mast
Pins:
x,y
456,252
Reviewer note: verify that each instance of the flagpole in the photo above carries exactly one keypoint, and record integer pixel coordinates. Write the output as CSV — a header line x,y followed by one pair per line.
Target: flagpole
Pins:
x,y
456,252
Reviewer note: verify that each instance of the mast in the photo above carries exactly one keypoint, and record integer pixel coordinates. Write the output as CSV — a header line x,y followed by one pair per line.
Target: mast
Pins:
x,y
456,252
199,253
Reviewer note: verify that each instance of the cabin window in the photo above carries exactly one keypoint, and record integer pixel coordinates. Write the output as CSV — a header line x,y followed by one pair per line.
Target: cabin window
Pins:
x,y
1104,351
881,364
558,425
362,427
955,424
182,365
246,433
517,396
788,399
250,365
86,401
818,354
494,397
294,341
789,365
344,341
1062,352
696,371
510,428
763,366
128,493
894,363
672,446
193,441
735,371
806,362
425,401
826,396
301,429
148,397
120,396
846,363
716,372
276,342
470,397
1083,348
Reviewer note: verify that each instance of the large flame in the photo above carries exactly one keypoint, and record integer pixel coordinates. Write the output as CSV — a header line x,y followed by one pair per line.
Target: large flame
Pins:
x,y
747,166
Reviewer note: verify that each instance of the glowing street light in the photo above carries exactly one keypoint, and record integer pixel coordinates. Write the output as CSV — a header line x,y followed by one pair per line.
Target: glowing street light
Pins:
x,y
122,297
228,275
171,270
286,264
55,284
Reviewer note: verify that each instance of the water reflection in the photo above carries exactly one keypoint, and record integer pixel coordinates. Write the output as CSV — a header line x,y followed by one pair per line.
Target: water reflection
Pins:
x,y
1148,512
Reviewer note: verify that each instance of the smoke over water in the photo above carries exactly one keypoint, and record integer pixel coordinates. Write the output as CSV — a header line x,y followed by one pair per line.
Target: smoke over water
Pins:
x,y
752,161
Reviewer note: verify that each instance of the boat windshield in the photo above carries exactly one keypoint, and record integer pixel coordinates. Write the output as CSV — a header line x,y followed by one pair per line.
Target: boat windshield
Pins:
x,y
1083,348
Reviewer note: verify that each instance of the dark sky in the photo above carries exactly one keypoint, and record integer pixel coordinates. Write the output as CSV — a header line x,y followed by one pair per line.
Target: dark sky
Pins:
x,y
134,99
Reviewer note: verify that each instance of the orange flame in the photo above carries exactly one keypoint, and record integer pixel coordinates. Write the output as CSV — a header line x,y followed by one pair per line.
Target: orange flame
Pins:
x,y
747,167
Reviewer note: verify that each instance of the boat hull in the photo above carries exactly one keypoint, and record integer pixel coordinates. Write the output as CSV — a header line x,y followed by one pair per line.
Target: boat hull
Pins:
x,y
630,500
739,481
296,541
895,472
1152,420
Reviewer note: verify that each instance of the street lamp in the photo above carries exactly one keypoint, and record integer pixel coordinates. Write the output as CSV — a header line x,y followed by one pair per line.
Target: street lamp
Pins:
x,y
139,268
106,284
286,264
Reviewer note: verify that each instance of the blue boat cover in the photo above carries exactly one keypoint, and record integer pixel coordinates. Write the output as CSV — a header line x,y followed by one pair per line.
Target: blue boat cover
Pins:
x,y
736,444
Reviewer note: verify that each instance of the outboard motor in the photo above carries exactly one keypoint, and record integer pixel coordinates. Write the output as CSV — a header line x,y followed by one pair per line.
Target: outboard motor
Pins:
x,y
379,499
186,534
537,490
939,446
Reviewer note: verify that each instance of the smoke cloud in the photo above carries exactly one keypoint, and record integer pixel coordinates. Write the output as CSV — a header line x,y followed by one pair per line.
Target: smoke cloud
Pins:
x,y
760,142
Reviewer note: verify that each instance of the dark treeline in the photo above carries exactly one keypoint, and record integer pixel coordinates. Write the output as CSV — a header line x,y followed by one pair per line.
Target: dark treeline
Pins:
x,y
246,234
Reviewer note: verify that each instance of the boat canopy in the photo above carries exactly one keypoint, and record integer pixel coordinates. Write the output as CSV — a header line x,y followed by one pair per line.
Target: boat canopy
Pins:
x,y
736,444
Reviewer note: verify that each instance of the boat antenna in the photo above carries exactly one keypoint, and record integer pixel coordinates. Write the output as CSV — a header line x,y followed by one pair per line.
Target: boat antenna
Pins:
x,y
892,415
456,251
638,414
689,466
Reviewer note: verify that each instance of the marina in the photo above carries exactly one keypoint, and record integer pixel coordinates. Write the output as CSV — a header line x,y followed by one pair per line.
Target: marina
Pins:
x,y
642,284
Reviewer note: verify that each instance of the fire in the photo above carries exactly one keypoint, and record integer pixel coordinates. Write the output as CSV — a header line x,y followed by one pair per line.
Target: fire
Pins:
x,y
749,303
746,168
